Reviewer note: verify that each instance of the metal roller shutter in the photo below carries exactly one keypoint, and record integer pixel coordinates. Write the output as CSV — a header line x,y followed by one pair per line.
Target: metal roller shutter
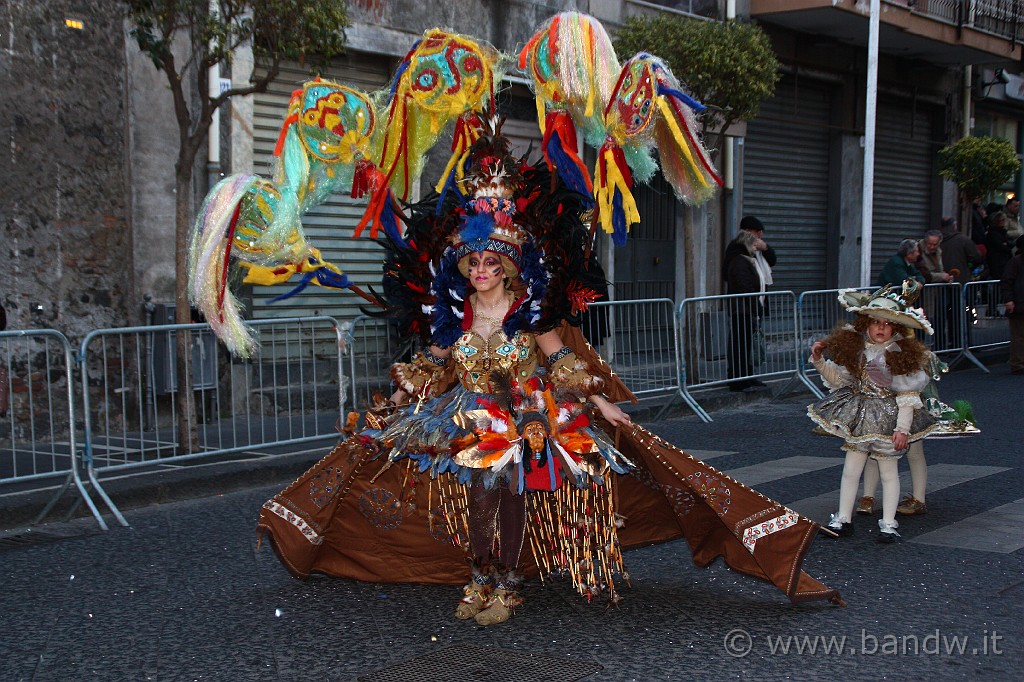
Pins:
x,y
904,177
786,180
328,226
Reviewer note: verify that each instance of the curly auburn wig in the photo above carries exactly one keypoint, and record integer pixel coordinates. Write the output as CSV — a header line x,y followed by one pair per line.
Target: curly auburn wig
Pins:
x,y
846,347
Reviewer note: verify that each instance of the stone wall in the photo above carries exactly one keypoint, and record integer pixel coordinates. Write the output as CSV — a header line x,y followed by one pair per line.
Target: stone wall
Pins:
x,y
67,243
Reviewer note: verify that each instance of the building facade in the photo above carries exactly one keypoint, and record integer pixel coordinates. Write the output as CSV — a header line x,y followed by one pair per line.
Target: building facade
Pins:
x,y
88,206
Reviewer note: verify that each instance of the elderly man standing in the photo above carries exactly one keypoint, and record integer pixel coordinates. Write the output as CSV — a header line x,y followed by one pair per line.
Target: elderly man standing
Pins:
x,y
1012,211
746,269
930,262
903,265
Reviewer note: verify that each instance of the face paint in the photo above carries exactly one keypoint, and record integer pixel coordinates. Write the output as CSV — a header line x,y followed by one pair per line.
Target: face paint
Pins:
x,y
491,265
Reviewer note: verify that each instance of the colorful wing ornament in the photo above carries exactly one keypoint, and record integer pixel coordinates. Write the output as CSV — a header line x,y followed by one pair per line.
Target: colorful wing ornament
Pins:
x,y
445,77
648,109
572,66
257,224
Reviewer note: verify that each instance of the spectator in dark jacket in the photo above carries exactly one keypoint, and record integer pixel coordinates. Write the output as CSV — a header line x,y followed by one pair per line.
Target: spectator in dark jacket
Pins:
x,y
744,275
959,254
903,265
998,245
1013,298
979,226
755,227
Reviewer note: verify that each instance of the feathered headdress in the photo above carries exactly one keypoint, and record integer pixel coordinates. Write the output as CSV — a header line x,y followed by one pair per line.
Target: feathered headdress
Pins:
x,y
891,303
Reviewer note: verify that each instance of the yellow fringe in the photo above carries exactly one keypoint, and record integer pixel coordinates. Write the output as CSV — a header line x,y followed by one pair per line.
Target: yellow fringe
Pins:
x,y
669,117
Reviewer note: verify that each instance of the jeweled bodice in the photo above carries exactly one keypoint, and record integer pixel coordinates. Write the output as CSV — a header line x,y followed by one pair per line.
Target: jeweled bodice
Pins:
x,y
476,357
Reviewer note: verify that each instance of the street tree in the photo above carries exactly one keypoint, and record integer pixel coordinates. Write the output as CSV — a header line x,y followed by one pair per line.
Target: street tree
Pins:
x,y
729,66
185,39
978,166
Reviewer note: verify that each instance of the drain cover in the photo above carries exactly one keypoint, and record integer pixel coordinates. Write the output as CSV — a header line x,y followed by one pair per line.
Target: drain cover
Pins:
x,y
467,662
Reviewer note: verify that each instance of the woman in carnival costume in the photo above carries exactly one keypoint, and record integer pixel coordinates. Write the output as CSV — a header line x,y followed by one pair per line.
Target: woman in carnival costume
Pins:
x,y
503,455
495,469
875,372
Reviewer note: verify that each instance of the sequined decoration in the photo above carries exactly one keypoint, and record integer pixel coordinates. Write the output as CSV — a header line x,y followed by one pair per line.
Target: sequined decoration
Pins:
x,y
712,489
381,508
682,500
324,485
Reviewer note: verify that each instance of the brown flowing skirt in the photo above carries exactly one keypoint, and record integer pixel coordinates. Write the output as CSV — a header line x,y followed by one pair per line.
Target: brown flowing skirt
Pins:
x,y
354,516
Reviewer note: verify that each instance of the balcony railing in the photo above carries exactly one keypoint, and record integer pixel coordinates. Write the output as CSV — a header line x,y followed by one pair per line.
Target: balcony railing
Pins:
x,y
1000,18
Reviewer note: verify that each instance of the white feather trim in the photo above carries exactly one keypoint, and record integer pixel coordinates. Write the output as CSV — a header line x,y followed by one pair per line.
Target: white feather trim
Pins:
x,y
513,455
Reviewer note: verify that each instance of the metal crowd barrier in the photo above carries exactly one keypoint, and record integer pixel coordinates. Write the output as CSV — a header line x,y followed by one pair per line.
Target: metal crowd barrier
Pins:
x,y
294,388
38,438
985,326
945,308
373,345
291,390
818,313
639,339
734,338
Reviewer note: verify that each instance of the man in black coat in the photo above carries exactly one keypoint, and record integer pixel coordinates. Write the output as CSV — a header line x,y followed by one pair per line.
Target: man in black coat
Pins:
x,y
746,269
1013,298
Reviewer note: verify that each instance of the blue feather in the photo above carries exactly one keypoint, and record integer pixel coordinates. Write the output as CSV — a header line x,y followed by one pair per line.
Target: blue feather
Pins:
x,y
390,222
619,226
401,70
682,97
299,288
477,227
568,170
329,278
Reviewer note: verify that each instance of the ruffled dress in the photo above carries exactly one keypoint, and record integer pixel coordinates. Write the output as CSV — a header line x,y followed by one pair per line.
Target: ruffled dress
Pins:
x,y
863,409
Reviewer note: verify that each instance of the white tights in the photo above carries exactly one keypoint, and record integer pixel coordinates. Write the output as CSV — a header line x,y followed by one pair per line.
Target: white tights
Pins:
x,y
852,469
918,472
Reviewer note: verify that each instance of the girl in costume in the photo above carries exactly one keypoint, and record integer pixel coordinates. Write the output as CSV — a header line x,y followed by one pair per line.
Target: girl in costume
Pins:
x,y
951,422
875,374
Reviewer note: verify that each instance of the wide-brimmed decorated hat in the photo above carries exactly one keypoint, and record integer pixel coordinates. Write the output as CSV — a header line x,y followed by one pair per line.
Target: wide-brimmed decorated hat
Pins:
x,y
892,303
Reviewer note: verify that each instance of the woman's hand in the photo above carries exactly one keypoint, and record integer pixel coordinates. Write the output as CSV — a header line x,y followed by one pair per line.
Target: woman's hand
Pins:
x,y
900,441
612,413
399,397
816,348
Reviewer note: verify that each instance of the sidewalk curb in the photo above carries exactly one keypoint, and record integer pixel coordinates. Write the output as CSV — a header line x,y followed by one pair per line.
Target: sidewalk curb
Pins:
x,y
135,489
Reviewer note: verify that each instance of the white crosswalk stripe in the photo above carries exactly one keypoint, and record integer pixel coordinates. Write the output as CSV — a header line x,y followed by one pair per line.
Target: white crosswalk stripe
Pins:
x,y
705,455
995,530
782,468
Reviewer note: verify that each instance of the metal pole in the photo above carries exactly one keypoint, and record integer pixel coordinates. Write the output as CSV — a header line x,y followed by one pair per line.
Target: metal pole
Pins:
x,y
870,103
